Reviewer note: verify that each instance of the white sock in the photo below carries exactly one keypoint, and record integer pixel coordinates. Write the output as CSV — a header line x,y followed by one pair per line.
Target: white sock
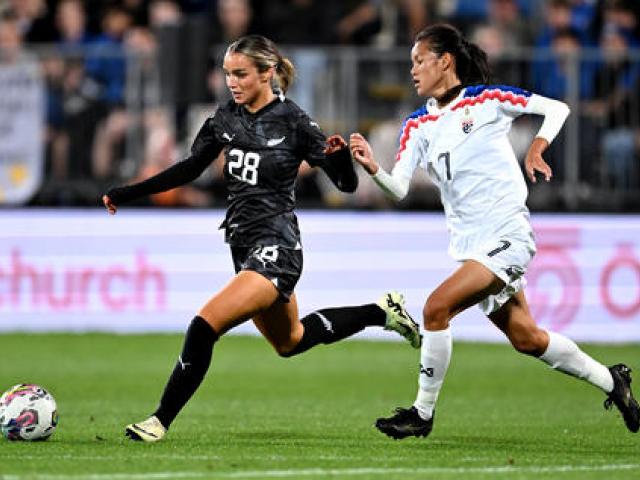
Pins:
x,y
434,361
564,355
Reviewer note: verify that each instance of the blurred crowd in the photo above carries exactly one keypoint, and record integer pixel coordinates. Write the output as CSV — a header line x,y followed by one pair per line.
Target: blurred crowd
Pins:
x,y
110,119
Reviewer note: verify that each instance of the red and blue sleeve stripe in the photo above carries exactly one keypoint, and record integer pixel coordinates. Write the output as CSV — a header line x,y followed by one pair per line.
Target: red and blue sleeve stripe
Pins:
x,y
504,93
413,121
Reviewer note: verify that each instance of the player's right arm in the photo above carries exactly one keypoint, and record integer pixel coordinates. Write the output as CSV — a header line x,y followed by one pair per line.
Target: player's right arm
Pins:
x,y
396,184
204,150
555,113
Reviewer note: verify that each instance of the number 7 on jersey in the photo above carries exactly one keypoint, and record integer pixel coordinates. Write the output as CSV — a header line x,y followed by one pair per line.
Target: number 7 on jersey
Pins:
x,y
447,163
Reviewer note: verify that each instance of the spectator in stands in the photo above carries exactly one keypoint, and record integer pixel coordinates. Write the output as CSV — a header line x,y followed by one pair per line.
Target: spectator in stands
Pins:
x,y
164,13
416,15
71,24
34,20
493,40
551,76
233,19
141,44
73,97
505,16
466,14
11,40
624,14
582,18
553,73
357,21
559,15
138,10
557,18
401,20
345,22
170,30
56,138
106,63
616,105
74,110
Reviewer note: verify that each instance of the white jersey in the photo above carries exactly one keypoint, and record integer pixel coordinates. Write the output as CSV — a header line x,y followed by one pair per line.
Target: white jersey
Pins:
x,y
465,150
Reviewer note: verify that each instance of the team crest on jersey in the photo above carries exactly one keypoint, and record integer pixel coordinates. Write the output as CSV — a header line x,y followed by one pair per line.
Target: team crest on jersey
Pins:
x,y
467,121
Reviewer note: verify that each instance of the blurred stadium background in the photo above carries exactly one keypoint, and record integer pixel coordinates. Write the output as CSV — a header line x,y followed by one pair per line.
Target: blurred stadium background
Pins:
x,y
96,93
116,89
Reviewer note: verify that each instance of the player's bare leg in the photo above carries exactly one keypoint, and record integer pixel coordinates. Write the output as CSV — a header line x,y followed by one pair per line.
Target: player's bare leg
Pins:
x,y
244,296
280,325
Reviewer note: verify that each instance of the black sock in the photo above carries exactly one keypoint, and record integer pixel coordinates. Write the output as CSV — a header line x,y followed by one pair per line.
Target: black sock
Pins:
x,y
332,324
188,373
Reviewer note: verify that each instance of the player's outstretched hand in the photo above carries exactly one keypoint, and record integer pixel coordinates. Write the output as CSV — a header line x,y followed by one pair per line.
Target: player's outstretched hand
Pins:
x,y
534,161
334,143
362,153
111,208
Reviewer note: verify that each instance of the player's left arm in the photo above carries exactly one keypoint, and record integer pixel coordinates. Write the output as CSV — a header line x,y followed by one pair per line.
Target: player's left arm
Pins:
x,y
555,113
330,154
338,164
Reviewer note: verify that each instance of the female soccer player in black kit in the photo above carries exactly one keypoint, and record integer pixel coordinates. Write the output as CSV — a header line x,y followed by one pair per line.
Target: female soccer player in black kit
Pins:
x,y
264,137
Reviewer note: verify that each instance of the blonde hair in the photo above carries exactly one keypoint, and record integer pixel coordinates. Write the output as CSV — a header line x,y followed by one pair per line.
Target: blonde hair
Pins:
x,y
265,55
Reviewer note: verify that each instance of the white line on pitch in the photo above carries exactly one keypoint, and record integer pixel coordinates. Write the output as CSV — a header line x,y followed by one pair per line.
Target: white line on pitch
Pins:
x,y
322,472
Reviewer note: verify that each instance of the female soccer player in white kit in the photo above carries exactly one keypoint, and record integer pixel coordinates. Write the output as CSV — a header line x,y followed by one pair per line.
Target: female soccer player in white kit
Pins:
x,y
460,138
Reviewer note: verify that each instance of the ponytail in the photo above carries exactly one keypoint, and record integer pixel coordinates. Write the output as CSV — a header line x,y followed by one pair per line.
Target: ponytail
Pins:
x,y
471,63
477,67
285,73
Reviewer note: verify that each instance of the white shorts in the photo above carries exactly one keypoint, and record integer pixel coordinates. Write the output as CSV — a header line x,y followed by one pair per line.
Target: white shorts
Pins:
x,y
508,258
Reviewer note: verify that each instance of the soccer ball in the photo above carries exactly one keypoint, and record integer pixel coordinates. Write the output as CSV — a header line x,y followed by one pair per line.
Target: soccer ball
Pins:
x,y
27,412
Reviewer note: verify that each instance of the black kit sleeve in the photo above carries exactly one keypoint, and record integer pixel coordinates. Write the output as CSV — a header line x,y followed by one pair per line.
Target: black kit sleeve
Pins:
x,y
204,150
338,165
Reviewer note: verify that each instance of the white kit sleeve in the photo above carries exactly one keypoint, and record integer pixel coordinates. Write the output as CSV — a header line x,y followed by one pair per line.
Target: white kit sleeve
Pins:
x,y
394,185
411,149
555,113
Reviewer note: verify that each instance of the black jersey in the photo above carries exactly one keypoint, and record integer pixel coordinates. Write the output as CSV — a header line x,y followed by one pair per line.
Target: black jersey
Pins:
x,y
262,151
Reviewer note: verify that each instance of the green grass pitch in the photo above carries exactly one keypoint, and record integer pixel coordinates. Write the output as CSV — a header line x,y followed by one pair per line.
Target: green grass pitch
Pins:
x,y
500,415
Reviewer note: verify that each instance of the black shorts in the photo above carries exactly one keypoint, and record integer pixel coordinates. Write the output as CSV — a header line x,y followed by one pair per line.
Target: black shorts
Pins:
x,y
282,266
